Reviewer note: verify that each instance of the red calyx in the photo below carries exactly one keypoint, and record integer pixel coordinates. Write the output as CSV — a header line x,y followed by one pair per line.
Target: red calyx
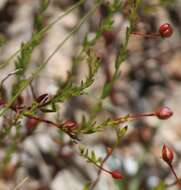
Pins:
x,y
70,125
167,154
42,98
163,113
109,37
109,150
116,174
2,102
31,123
165,30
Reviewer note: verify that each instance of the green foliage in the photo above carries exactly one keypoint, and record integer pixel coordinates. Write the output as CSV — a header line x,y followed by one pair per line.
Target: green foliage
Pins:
x,y
25,55
70,89
120,59
22,60
2,40
43,5
86,186
39,17
122,131
90,155
167,2
161,186
27,48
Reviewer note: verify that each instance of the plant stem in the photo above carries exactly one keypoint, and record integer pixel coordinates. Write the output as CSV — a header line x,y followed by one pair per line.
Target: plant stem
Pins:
x,y
153,35
99,166
175,175
134,117
40,67
21,183
99,172
44,30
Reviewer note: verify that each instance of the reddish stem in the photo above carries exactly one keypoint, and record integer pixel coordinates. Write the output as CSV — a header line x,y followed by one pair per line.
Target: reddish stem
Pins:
x,y
153,35
99,166
175,175
140,115
100,169
134,117
44,120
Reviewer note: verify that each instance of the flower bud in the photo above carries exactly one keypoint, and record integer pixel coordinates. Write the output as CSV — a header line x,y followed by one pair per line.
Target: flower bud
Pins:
x,y
31,123
116,174
20,100
109,150
166,30
109,37
2,102
163,113
70,125
167,154
42,98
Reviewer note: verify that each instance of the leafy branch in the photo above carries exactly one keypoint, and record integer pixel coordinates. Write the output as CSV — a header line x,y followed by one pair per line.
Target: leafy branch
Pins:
x,y
24,83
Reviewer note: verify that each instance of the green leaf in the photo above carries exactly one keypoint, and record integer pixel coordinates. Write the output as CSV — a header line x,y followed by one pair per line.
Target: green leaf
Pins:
x,y
39,16
138,3
81,149
70,90
86,153
2,40
86,186
93,156
106,90
26,53
150,9
161,186
44,5
167,2
122,132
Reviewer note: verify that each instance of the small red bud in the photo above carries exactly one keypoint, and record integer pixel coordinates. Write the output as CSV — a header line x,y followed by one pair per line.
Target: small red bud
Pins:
x,y
109,37
20,100
116,174
167,154
42,98
163,113
31,123
2,102
70,124
109,150
166,30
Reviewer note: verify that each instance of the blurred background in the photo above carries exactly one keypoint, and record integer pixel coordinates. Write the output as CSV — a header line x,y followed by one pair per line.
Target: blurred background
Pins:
x,y
150,77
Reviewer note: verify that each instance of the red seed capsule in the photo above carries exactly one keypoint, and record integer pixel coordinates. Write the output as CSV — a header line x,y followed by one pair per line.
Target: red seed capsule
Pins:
x,y
116,174
109,150
166,30
2,102
70,125
167,154
42,98
109,37
31,123
163,113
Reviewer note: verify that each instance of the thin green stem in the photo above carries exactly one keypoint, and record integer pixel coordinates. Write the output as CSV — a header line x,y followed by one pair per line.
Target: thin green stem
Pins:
x,y
40,67
44,30
98,166
21,183
99,172
133,117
